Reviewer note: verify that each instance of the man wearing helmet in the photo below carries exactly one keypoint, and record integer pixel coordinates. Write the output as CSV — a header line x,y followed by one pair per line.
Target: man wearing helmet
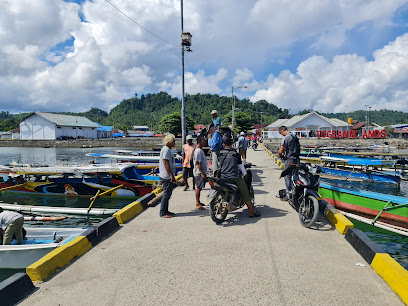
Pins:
x,y
242,146
229,161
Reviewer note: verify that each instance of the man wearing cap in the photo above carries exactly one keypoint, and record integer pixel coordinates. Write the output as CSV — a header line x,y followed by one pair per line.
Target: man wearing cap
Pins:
x,y
216,119
215,143
188,151
242,146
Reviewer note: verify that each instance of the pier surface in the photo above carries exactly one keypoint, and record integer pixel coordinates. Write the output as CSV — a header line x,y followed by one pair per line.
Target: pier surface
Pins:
x,y
189,260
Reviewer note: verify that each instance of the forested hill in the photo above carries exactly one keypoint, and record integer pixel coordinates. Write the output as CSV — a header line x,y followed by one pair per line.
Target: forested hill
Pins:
x,y
149,109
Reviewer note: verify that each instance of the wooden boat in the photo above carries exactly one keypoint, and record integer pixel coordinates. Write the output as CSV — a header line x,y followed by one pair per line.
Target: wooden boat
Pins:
x,y
377,206
115,180
360,169
38,242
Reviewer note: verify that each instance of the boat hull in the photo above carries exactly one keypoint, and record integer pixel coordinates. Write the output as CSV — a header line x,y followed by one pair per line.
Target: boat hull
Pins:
x,y
362,176
39,243
366,203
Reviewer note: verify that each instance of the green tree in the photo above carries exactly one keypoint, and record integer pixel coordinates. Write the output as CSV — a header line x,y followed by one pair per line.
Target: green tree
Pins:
x,y
242,121
172,123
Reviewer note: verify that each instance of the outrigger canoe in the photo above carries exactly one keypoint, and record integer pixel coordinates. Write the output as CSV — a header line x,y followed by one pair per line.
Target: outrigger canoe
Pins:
x,y
115,180
377,206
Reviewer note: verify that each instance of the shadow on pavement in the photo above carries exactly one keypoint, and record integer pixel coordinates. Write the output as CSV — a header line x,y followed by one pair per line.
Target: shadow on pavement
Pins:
x,y
241,216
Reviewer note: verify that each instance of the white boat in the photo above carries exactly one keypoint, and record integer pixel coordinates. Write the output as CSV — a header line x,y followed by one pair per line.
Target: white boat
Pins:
x,y
38,242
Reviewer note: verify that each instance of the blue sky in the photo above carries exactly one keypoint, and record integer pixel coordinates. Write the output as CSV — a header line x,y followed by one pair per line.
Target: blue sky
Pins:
x,y
326,55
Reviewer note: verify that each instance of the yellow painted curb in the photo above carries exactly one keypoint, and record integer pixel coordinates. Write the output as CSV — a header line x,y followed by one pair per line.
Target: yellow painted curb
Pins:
x,y
157,191
341,223
392,273
58,258
281,166
179,177
128,212
278,161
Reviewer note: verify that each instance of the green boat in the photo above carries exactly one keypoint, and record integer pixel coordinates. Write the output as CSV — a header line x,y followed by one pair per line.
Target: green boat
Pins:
x,y
376,206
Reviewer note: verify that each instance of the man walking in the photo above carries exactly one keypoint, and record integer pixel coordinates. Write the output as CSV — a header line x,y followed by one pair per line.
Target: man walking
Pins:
x,y
188,151
14,222
200,170
166,174
290,150
242,146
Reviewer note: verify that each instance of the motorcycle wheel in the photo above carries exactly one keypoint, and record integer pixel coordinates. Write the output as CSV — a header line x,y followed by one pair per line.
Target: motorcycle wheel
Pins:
x,y
218,213
308,211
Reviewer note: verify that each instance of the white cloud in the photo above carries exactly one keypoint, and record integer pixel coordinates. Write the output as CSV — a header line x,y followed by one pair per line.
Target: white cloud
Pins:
x,y
347,83
112,58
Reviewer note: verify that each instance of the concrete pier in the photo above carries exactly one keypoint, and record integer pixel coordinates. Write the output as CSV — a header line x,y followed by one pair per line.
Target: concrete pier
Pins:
x,y
189,260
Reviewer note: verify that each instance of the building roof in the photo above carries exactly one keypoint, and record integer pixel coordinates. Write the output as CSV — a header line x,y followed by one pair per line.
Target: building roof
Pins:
x,y
359,125
277,123
295,119
102,128
67,120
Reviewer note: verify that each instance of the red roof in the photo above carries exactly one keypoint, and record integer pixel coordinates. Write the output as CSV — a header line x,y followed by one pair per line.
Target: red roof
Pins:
x,y
358,125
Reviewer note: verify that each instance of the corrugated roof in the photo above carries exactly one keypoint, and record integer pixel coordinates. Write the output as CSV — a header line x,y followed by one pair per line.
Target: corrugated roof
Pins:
x,y
277,123
67,120
295,119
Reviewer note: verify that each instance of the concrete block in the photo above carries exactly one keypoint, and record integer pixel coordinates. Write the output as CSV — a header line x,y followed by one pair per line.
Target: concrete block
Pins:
x,y
105,228
145,199
15,288
362,244
128,212
90,234
58,258
392,273
341,223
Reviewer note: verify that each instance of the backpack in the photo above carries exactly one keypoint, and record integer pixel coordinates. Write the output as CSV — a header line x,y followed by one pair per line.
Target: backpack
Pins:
x,y
241,143
297,144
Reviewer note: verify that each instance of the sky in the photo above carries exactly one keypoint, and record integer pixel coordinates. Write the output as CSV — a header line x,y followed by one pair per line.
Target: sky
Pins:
x,y
323,55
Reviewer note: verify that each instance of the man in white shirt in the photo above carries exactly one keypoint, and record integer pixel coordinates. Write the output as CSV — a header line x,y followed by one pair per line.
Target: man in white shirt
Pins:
x,y
166,174
200,170
14,222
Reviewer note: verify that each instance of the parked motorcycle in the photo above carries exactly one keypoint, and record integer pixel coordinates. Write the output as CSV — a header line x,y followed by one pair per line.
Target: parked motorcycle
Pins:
x,y
304,196
254,145
224,197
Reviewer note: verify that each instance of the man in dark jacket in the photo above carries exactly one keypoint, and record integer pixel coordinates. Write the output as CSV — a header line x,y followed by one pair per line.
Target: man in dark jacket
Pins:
x,y
290,150
229,160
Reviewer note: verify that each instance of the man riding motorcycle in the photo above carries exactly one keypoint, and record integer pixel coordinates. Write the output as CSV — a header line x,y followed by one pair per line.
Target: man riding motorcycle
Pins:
x,y
229,161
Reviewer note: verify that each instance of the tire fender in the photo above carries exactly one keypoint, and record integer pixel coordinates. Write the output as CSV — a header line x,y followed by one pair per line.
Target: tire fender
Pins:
x,y
313,193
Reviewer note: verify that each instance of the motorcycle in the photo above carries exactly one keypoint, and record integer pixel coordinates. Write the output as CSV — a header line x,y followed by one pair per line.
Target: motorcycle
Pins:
x,y
254,145
224,197
304,196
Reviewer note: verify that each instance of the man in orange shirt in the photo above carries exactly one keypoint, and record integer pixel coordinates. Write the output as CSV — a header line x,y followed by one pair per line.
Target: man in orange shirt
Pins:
x,y
188,151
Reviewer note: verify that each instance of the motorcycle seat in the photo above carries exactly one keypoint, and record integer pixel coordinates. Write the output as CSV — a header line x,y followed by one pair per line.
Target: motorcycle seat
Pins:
x,y
231,186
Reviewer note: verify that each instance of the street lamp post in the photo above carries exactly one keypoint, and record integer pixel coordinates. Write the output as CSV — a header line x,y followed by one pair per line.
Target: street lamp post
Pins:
x,y
233,104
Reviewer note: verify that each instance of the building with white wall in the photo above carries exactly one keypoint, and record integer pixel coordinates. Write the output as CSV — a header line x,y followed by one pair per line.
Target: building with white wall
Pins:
x,y
308,125
39,126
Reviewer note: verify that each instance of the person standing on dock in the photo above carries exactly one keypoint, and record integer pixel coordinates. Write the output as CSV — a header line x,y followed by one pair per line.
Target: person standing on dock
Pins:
x,y
188,151
200,170
166,174
290,150
216,119
14,222
215,143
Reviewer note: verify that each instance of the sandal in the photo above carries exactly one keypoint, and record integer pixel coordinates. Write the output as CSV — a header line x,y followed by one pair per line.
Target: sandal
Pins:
x,y
256,214
200,207
185,188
